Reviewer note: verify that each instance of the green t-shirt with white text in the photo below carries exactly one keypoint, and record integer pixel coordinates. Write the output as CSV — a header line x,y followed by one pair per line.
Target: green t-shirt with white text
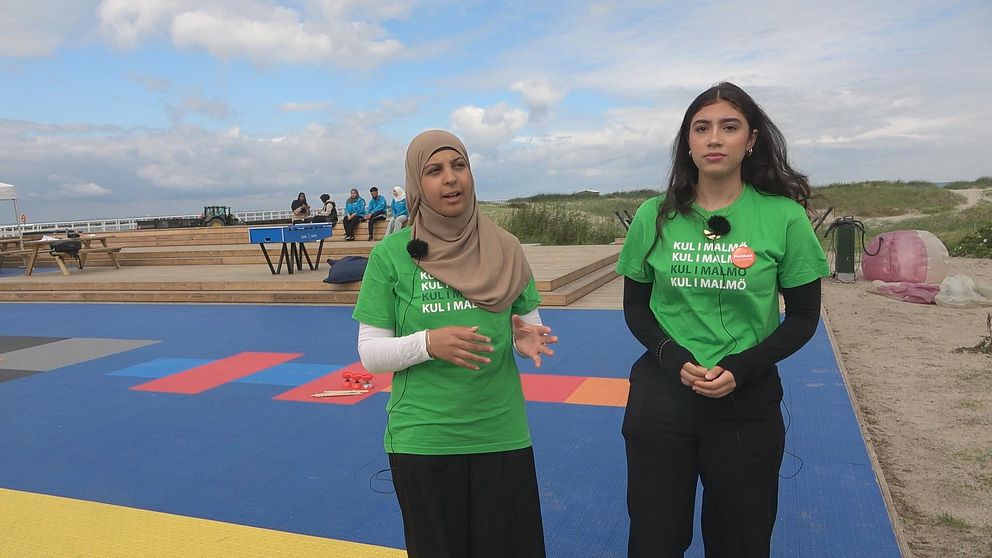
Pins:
x,y
704,301
437,408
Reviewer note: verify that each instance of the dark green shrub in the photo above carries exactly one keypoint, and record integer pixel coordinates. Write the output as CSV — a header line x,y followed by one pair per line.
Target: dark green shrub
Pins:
x,y
980,182
975,245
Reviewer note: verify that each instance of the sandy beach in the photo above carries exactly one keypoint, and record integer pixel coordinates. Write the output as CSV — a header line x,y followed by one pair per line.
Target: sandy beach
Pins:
x,y
925,409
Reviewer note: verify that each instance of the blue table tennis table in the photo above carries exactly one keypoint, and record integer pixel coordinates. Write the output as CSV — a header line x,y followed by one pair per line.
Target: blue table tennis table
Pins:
x,y
292,238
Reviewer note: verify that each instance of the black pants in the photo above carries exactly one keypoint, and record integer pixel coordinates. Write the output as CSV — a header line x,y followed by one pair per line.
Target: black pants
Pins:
x,y
469,506
372,218
349,225
733,445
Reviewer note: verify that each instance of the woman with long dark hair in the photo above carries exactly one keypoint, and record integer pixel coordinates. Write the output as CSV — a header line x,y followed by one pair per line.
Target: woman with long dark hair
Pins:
x,y
704,264
300,208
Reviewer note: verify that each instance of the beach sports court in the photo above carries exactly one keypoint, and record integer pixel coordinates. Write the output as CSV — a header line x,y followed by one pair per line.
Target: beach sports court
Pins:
x,y
189,430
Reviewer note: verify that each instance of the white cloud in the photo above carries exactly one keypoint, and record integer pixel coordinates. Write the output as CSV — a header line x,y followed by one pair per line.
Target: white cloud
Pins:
x,y
150,83
175,170
196,104
263,33
126,22
312,106
87,190
372,10
861,91
485,128
539,96
36,28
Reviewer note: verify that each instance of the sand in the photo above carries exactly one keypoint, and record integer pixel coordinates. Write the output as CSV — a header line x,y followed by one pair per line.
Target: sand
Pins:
x,y
925,409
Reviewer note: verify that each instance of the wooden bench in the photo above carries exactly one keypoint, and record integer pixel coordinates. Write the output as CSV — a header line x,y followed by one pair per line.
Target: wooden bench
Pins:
x,y
111,251
15,253
90,244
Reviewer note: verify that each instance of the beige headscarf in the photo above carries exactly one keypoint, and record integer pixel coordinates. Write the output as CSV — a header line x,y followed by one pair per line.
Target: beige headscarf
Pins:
x,y
468,252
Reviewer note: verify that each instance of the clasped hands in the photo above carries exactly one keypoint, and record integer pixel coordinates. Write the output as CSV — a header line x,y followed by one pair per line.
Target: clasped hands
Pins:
x,y
464,346
713,382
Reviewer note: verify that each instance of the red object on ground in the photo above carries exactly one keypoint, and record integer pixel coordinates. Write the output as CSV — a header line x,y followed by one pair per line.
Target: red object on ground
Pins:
x,y
330,382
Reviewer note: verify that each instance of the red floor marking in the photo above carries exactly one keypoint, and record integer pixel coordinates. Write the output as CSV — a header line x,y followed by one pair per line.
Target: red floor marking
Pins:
x,y
219,372
580,390
549,389
333,381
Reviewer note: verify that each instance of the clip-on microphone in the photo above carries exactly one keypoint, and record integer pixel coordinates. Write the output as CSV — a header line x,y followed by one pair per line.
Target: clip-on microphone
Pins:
x,y
417,248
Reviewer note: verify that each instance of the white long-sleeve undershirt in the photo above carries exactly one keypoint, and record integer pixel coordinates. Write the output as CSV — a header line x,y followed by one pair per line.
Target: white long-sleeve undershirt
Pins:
x,y
381,351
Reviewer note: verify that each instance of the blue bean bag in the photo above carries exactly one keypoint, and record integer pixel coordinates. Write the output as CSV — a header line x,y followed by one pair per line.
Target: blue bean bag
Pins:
x,y
346,270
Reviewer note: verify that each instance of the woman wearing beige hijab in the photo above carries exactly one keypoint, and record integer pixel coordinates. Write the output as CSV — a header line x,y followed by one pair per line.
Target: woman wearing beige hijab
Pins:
x,y
444,303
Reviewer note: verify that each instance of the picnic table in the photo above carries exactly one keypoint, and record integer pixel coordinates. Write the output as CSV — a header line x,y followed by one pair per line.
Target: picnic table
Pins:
x,y
11,247
34,248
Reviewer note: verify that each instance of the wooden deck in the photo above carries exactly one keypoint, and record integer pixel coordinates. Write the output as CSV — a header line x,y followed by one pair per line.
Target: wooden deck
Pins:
x,y
220,266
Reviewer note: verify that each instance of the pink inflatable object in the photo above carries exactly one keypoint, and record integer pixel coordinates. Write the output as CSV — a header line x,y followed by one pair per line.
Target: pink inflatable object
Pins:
x,y
920,293
905,256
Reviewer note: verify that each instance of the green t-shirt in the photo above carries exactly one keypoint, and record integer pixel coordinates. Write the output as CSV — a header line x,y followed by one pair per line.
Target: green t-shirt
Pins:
x,y
437,408
702,299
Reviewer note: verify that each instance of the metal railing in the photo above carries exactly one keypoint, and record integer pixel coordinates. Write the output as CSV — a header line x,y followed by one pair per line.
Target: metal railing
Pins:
x,y
131,223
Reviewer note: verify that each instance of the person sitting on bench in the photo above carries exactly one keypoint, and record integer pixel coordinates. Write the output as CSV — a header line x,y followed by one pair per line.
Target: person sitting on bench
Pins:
x,y
377,210
301,209
354,213
328,213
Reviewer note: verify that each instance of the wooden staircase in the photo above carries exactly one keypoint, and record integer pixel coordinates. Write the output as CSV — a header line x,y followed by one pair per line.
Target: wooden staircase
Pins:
x,y
218,265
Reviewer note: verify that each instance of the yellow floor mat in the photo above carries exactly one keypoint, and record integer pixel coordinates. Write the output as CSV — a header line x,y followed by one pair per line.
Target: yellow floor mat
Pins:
x,y
38,525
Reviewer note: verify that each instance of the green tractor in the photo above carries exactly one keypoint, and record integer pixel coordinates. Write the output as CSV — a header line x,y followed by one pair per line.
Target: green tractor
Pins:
x,y
218,216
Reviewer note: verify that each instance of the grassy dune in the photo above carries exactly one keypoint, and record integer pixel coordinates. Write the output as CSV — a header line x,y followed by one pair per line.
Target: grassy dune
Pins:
x,y
584,218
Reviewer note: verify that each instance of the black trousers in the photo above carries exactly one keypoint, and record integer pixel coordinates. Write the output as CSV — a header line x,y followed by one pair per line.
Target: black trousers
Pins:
x,y
372,218
733,445
469,506
350,223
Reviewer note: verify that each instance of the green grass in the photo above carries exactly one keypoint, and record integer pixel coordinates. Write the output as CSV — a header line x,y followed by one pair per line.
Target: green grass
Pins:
x,y
981,182
566,219
978,377
976,455
884,199
947,520
970,404
600,206
559,226
592,220
964,233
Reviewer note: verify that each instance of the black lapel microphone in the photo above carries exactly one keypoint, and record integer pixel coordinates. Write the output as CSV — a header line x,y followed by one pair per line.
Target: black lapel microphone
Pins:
x,y
417,248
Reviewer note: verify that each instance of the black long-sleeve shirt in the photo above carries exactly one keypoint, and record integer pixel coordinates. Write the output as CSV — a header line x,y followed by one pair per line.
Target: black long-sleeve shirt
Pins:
x,y
802,313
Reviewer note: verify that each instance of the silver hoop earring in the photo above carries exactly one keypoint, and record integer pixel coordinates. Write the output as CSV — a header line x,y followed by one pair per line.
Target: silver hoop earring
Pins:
x,y
750,150
690,153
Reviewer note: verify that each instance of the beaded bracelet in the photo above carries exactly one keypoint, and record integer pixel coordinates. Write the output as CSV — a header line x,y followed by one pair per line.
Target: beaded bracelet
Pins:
x,y
661,347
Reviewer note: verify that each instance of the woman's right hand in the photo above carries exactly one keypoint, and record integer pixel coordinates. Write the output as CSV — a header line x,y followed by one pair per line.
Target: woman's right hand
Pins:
x,y
459,345
692,373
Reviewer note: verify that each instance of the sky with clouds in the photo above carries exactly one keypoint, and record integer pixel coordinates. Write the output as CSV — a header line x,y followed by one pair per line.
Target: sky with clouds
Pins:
x,y
113,108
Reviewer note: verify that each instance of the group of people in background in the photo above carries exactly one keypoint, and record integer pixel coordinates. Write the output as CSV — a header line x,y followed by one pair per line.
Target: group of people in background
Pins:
x,y
356,211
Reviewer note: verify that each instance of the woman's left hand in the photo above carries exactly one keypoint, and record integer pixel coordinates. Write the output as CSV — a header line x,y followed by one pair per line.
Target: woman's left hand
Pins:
x,y
717,383
532,340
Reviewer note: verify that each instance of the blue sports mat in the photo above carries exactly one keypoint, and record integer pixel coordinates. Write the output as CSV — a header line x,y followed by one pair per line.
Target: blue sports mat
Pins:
x,y
234,454
7,271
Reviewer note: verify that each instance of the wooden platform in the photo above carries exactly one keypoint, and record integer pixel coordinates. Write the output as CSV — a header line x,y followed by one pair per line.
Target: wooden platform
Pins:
x,y
220,266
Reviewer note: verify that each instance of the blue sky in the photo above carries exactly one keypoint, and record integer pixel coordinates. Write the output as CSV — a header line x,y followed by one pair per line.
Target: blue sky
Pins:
x,y
112,108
